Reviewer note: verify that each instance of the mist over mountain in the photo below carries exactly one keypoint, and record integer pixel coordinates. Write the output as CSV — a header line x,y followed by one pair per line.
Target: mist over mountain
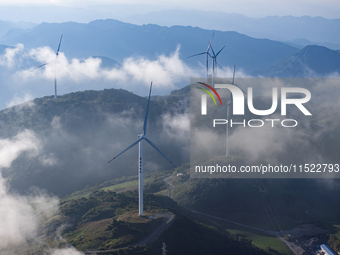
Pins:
x,y
77,134
284,28
118,40
318,30
311,61
6,26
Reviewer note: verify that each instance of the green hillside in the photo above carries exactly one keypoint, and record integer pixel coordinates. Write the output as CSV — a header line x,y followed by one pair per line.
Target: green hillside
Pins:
x,y
80,132
106,220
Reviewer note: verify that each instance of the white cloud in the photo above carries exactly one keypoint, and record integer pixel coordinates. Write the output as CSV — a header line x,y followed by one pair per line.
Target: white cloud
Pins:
x,y
8,59
177,127
164,71
168,72
11,148
17,100
65,251
21,216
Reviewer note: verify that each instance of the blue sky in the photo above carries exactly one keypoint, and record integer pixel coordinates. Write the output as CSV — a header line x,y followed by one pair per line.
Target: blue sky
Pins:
x,y
258,8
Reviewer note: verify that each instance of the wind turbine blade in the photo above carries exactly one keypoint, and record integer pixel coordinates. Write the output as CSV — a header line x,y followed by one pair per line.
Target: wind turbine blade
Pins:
x,y
197,54
151,143
233,75
210,41
64,70
127,149
147,112
43,65
219,51
46,64
218,64
206,64
213,51
59,45
55,87
225,107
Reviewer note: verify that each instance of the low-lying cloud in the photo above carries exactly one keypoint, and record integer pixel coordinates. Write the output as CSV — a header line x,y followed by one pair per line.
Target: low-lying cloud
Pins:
x,y
22,76
21,216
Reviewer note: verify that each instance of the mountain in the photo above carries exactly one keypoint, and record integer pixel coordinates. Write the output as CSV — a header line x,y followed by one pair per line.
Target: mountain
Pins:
x,y
6,26
118,40
301,43
311,61
107,62
318,30
105,220
80,132
286,199
3,48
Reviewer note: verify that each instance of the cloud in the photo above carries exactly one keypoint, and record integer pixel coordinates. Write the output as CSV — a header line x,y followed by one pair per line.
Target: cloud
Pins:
x,y
229,72
165,71
311,141
65,251
22,216
177,129
21,75
17,100
48,160
11,148
11,56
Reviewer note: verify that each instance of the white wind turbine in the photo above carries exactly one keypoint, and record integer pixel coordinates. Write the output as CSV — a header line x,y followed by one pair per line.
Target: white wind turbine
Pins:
x,y
206,57
214,63
228,116
55,68
140,139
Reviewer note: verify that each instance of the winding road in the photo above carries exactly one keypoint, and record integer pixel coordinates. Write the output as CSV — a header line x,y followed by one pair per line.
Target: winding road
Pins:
x,y
166,180
296,250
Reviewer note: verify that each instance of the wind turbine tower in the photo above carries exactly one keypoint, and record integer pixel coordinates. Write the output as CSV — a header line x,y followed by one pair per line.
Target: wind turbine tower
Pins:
x,y
140,139
55,68
228,117
207,54
214,63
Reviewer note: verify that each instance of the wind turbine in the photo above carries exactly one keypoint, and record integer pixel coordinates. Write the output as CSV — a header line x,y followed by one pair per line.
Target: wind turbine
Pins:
x,y
228,117
140,139
206,53
55,69
214,62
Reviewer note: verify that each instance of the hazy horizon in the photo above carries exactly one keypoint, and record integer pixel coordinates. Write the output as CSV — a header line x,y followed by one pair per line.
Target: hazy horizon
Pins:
x,y
85,11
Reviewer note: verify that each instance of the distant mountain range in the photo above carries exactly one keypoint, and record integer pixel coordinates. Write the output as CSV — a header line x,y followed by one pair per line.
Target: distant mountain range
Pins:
x,y
305,29
316,30
114,41
6,26
311,61
118,40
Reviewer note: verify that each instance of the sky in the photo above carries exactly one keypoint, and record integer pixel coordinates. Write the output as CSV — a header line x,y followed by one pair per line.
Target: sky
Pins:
x,y
259,8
